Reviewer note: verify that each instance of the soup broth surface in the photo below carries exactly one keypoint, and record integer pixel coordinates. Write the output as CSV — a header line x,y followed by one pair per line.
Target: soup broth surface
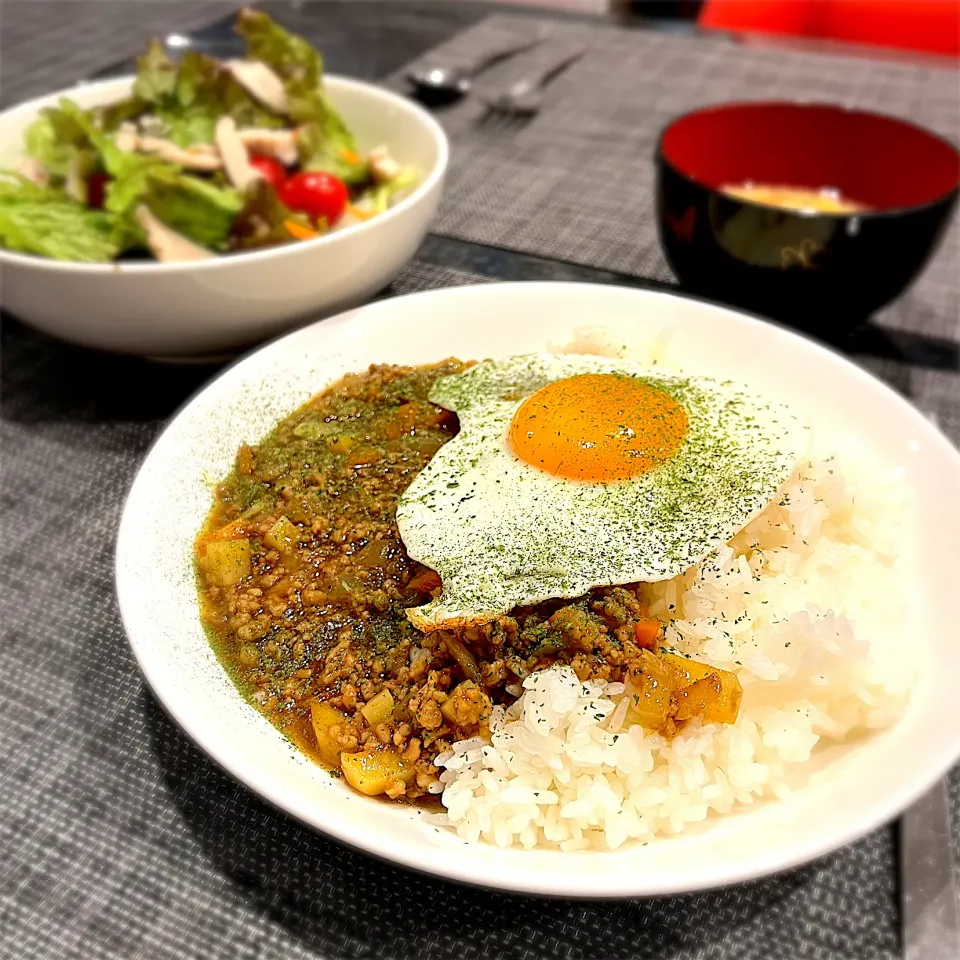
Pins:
x,y
824,200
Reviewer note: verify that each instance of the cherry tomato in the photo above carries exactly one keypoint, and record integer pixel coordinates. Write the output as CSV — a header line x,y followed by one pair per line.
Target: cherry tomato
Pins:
x,y
318,194
273,171
96,188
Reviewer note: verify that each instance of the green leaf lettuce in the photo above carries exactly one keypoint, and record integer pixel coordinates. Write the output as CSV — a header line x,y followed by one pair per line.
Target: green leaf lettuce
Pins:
x,y
188,98
47,222
325,142
193,207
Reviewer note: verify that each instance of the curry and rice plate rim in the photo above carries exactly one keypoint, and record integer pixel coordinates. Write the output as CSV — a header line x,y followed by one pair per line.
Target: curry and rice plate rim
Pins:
x,y
342,335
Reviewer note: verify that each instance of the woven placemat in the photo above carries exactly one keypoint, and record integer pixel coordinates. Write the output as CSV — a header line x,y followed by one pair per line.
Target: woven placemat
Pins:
x,y
576,182
46,45
119,840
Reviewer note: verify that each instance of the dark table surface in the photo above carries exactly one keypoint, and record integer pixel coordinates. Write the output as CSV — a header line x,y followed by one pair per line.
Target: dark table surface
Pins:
x,y
121,839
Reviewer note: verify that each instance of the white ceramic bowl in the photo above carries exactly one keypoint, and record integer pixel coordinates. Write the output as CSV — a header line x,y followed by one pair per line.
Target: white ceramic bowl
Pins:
x,y
858,788
191,309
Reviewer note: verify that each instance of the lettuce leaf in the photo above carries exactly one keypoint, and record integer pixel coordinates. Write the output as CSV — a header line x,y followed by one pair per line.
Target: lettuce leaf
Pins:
x,y
113,115
58,135
130,178
377,199
193,207
329,146
47,222
42,144
204,92
128,172
189,98
325,142
292,58
156,75
202,210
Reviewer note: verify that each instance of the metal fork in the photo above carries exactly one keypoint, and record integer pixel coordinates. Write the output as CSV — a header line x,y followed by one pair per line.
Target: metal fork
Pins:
x,y
525,97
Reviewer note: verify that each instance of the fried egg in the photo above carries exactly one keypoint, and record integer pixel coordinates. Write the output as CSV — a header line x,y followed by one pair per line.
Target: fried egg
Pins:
x,y
573,472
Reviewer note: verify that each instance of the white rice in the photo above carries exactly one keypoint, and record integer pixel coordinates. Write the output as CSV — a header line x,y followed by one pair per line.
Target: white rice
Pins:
x,y
806,605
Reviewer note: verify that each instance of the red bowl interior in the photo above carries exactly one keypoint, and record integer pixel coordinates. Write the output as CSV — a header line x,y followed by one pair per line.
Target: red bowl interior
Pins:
x,y
879,161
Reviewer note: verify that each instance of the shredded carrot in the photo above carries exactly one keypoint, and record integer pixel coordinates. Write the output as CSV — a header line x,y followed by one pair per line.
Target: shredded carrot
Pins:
x,y
350,156
299,231
645,632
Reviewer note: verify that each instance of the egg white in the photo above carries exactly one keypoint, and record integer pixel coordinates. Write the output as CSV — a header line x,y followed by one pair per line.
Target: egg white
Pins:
x,y
502,533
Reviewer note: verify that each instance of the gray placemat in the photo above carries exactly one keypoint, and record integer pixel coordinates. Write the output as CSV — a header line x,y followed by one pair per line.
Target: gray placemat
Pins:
x,y
119,840
936,393
46,45
577,181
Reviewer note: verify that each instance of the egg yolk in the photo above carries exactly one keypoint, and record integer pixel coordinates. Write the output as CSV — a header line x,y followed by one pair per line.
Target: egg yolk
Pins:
x,y
597,427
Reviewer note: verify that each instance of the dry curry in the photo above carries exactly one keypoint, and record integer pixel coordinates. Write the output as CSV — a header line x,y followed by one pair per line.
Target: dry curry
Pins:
x,y
304,584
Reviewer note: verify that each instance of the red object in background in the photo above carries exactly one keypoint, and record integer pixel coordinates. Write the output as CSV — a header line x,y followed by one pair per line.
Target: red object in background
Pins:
x,y
885,163
932,26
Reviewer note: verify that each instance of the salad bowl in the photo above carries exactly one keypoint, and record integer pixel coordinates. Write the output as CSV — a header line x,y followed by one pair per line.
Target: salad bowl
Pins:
x,y
185,310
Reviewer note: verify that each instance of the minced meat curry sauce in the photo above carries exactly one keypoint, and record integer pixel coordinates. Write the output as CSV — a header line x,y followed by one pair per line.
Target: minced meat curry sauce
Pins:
x,y
304,584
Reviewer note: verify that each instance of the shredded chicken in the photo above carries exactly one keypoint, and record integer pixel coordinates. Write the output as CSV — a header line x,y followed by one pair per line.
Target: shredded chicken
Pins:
x,y
281,144
76,184
260,82
127,138
240,172
194,150
202,157
151,126
167,245
383,168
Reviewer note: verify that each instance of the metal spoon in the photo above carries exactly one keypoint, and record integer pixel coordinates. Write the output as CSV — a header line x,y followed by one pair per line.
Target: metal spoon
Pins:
x,y
450,83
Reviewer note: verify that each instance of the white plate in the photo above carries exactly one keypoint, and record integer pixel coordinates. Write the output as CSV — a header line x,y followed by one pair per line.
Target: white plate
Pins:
x,y
862,786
